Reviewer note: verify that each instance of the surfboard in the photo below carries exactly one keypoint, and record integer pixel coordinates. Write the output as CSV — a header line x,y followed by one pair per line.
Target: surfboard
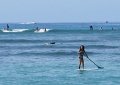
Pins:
x,y
15,30
88,69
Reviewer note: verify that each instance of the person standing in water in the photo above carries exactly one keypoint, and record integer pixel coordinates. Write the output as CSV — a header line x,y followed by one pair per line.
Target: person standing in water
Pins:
x,y
91,27
37,29
7,27
81,54
45,30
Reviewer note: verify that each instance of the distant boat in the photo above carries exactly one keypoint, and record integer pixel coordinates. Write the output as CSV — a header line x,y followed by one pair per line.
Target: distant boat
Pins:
x,y
28,23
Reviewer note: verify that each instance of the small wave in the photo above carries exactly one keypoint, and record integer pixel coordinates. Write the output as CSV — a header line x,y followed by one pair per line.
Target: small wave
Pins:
x,y
116,53
24,30
14,30
22,41
42,30
54,31
54,53
46,42
102,46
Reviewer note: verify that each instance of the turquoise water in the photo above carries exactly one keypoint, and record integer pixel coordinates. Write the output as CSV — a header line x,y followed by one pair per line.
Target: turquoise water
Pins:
x,y
28,58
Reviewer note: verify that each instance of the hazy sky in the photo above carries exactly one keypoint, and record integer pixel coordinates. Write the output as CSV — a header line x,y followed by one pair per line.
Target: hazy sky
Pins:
x,y
59,10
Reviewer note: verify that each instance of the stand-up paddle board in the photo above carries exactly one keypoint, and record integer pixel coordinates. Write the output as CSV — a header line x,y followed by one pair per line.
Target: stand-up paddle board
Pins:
x,y
89,69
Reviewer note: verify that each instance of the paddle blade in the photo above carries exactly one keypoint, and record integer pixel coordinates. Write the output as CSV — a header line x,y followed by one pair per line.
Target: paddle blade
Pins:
x,y
100,67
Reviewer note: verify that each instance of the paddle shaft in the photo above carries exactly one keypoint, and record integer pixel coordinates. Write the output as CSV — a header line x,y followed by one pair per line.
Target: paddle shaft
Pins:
x,y
92,61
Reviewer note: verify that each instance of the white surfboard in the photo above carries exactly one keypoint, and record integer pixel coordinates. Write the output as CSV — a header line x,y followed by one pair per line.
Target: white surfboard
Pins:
x,y
88,69
15,30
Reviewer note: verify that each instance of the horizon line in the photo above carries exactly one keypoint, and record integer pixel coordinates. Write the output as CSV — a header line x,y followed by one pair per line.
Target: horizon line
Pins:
x,y
35,22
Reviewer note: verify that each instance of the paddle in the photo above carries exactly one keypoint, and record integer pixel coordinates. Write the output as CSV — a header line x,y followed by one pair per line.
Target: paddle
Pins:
x,y
93,62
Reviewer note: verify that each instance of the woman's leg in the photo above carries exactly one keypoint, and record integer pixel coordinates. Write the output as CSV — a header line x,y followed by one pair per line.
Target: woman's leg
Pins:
x,y
82,63
79,64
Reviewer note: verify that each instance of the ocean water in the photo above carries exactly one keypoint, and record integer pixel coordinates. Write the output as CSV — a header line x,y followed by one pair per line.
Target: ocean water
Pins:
x,y
28,58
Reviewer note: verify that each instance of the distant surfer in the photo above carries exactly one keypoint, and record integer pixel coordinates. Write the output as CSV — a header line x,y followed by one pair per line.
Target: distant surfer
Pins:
x,y
112,28
37,29
101,28
52,42
45,30
91,27
7,27
81,59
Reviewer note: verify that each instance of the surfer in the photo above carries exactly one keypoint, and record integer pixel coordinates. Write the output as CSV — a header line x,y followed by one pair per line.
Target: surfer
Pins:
x,y
81,53
7,27
37,29
101,28
91,27
52,42
45,30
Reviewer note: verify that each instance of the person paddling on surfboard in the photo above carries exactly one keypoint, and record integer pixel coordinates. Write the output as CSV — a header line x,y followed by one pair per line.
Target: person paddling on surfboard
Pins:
x,y
83,53
81,59
7,27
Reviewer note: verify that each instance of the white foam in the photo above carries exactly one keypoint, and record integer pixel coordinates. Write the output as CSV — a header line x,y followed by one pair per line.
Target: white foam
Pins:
x,y
14,30
41,30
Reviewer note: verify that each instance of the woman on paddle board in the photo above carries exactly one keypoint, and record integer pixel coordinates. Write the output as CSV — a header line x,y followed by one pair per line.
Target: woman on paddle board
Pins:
x,y
81,59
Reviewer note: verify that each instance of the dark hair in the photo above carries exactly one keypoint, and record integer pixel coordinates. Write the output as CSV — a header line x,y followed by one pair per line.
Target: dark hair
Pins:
x,y
82,48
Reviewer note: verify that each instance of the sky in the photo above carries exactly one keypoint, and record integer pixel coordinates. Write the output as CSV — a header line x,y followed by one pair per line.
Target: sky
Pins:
x,y
59,11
